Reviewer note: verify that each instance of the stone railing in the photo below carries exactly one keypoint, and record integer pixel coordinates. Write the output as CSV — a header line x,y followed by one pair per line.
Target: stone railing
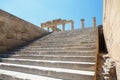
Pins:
x,y
53,24
15,31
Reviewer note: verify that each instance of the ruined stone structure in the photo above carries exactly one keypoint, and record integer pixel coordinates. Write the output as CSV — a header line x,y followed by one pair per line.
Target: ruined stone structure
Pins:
x,y
53,24
61,55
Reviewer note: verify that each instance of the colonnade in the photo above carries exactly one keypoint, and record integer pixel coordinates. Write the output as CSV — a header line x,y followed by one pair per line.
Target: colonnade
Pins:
x,y
53,24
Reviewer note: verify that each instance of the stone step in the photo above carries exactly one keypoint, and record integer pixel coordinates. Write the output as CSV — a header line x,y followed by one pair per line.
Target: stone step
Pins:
x,y
63,44
67,74
50,45
77,53
81,33
51,57
69,36
55,64
58,46
69,40
56,49
12,75
78,36
73,38
64,41
40,49
72,34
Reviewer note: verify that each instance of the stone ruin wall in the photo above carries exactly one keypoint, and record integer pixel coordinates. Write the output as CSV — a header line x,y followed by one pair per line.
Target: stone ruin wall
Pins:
x,y
15,31
111,27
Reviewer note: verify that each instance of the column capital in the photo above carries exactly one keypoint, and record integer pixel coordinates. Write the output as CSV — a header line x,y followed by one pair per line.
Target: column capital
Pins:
x,y
63,27
94,17
94,22
82,19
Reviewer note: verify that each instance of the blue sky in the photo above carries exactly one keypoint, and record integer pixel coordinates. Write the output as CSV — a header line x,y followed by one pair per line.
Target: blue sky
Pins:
x,y
38,11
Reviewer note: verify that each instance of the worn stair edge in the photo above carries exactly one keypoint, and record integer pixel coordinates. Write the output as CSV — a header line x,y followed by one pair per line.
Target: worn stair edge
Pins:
x,y
37,47
53,72
6,74
49,57
71,62
57,64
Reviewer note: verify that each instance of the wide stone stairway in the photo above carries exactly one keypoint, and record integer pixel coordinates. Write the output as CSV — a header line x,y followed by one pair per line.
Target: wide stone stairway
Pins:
x,y
65,55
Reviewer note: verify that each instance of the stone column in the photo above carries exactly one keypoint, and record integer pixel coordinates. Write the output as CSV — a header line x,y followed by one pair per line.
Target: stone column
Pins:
x,y
55,28
63,27
82,21
72,25
94,22
52,29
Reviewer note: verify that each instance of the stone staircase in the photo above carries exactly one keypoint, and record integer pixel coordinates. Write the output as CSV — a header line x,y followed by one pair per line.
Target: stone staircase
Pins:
x,y
68,55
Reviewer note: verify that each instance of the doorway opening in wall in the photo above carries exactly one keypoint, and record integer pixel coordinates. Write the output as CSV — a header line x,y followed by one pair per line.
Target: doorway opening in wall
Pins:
x,y
67,26
59,27
50,29
45,28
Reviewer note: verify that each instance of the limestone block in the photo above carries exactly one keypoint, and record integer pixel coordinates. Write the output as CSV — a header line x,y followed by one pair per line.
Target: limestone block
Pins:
x,y
12,42
17,28
18,36
2,27
2,23
26,37
2,39
15,31
3,48
20,42
11,35
2,36
2,42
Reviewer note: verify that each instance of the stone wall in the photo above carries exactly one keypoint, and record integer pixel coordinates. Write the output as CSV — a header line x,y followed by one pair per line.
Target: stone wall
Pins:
x,y
111,27
15,31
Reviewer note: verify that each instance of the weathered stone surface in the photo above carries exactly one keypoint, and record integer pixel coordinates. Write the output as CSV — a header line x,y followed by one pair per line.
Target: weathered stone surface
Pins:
x,y
111,27
3,48
68,55
2,43
15,31
25,37
11,43
54,23
2,23
11,35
